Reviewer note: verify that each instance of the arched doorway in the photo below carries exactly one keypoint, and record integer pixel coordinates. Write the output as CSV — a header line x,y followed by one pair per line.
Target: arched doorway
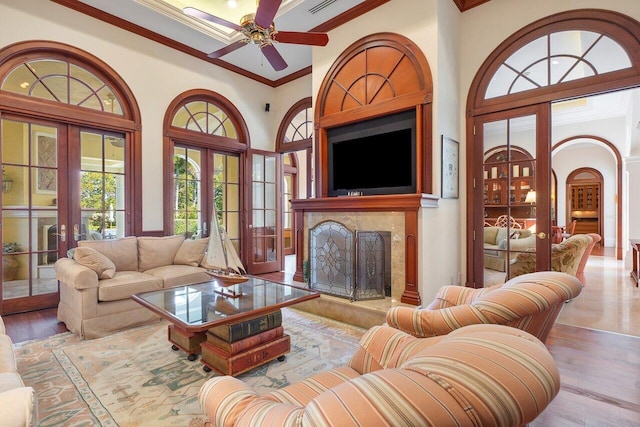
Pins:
x,y
515,88
605,159
71,152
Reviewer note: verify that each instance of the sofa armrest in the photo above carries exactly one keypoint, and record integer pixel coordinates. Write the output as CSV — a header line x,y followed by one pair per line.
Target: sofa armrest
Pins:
x,y
423,323
19,407
75,275
224,399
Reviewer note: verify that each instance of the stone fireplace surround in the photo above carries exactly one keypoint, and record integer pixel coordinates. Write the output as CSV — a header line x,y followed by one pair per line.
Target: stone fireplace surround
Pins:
x,y
396,213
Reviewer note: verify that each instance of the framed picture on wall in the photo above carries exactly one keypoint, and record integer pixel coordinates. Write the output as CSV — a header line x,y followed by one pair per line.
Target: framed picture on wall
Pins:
x,y
450,168
46,157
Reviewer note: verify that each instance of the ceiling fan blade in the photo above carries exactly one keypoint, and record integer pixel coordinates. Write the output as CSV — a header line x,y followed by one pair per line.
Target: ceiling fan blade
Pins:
x,y
274,57
315,39
197,13
227,49
267,10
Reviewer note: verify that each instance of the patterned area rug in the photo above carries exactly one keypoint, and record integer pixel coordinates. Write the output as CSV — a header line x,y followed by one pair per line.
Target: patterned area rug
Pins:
x,y
133,378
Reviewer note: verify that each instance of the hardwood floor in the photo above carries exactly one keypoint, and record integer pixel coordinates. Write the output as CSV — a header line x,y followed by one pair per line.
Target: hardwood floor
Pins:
x,y
33,325
595,342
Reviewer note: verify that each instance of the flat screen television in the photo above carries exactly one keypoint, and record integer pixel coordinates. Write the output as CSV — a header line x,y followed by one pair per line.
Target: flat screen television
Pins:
x,y
376,156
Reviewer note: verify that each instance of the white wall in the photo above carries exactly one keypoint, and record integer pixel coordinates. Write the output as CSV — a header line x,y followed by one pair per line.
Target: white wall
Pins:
x,y
156,75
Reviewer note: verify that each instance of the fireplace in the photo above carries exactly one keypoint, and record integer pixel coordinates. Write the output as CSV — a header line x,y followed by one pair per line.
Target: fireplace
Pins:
x,y
348,263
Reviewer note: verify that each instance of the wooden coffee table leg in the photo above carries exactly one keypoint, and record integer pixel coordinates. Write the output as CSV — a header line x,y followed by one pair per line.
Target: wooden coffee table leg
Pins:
x,y
189,342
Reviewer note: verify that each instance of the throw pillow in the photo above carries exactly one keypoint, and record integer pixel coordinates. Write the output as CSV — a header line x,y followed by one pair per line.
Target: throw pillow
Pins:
x,y
94,260
123,252
191,252
156,252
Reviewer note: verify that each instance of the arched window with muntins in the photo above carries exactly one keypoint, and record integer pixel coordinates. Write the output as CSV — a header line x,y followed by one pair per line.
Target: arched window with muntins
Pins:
x,y
205,144
205,117
300,127
62,81
296,129
556,58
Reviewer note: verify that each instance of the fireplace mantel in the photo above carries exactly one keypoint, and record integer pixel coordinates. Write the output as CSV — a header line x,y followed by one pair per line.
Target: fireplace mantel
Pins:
x,y
410,204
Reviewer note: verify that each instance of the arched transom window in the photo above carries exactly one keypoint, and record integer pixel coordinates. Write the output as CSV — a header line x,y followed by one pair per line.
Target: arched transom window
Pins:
x,y
202,116
557,58
62,81
300,127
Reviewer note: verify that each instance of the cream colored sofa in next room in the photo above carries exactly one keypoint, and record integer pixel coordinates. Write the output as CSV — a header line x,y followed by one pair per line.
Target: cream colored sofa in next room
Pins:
x,y
97,282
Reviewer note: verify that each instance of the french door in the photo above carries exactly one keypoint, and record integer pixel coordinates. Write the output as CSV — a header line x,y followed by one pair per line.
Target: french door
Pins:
x,y
34,163
61,184
265,226
512,185
203,177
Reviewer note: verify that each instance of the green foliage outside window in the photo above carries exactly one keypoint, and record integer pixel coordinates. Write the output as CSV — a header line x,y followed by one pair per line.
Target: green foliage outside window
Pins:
x,y
98,193
187,208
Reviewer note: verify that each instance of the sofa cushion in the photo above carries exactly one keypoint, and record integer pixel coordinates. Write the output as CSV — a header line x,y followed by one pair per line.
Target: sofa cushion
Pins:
x,y
191,252
10,381
122,252
126,283
89,257
157,251
179,275
490,235
501,235
7,359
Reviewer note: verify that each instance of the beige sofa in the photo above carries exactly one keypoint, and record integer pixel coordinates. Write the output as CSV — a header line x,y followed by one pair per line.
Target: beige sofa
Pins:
x,y
18,404
97,281
495,245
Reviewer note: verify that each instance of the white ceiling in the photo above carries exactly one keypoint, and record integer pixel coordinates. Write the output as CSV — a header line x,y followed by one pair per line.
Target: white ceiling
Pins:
x,y
165,17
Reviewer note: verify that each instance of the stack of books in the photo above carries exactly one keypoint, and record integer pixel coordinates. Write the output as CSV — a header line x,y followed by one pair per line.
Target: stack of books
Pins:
x,y
237,347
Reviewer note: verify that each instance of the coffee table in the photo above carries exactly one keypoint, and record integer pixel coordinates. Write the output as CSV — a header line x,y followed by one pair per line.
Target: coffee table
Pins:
x,y
193,310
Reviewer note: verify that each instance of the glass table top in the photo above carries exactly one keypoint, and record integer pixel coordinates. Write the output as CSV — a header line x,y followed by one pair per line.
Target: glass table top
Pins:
x,y
203,305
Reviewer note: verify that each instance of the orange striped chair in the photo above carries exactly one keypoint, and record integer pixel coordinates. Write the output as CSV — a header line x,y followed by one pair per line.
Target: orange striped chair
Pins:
x,y
479,375
530,302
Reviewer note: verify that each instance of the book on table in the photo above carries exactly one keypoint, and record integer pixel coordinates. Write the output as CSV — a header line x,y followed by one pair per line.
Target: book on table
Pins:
x,y
245,343
237,363
236,331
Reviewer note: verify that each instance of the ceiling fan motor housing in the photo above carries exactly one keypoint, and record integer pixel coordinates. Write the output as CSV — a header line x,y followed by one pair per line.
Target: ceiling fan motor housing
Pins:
x,y
255,33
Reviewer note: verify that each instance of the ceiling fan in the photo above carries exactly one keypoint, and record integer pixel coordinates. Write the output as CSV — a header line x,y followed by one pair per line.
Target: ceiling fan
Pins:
x,y
258,29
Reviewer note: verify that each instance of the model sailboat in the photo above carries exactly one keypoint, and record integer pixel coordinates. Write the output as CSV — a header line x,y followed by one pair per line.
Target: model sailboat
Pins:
x,y
223,261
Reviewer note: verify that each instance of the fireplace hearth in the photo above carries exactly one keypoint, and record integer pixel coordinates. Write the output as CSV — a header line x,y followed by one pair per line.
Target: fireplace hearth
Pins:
x,y
348,263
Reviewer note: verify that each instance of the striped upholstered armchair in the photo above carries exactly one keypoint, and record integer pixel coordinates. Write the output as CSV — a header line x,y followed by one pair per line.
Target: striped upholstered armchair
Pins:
x,y
530,302
395,379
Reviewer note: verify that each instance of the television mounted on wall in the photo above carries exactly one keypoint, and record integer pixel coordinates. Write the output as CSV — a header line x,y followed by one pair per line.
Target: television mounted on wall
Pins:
x,y
372,157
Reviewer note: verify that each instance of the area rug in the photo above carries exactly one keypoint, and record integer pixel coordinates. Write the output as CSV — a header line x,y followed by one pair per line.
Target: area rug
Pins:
x,y
133,378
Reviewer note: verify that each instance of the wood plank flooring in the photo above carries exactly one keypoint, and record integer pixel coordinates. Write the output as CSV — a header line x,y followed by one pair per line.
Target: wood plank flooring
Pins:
x,y
600,370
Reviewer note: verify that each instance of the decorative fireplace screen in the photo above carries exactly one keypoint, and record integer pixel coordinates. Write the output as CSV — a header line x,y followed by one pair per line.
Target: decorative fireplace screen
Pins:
x,y
350,264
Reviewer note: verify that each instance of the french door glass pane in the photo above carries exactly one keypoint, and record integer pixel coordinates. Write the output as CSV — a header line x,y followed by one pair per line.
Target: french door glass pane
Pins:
x,y
102,177
187,165
509,193
29,211
226,178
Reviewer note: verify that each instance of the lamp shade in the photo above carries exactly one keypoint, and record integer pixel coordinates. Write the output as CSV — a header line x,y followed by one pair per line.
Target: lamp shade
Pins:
x,y
531,197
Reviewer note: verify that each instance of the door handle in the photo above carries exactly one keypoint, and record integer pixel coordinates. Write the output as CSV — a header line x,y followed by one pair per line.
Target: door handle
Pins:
x,y
76,232
204,228
542,235
63,233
